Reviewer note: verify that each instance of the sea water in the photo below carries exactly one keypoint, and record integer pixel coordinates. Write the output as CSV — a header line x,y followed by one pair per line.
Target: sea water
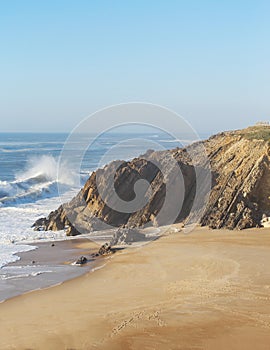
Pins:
x,y
30,182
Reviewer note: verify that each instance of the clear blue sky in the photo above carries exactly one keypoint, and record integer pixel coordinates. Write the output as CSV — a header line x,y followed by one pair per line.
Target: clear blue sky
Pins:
x,y
62,60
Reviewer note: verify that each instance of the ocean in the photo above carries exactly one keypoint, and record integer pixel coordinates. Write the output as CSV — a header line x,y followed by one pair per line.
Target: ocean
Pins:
x,y
29,182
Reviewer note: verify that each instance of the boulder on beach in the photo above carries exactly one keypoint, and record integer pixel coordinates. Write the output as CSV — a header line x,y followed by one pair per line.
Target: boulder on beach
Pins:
x,y
105,249
81,261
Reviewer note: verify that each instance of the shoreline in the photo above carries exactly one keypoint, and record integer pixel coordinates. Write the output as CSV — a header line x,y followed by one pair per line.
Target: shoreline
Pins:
x,y
48,265
205,290
61,254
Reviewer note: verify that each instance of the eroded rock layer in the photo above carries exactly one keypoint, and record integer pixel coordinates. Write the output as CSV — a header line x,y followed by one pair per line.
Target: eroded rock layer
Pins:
x,y
239,196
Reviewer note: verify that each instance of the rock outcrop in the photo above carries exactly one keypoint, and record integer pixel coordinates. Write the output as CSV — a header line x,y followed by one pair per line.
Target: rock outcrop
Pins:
x,y
240,187
127,236
81,261
240,195
105,249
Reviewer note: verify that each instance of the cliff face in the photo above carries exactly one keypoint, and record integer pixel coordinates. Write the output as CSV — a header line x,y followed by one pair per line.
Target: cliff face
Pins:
x,y
240,187
240,195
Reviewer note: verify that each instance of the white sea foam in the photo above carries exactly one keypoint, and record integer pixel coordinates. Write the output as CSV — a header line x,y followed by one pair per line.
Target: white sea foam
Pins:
x,y
16,231
40,180
15,272
33,194
46,168
8,252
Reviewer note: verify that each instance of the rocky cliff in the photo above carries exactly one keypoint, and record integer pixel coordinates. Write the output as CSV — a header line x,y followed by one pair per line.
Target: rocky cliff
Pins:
x,y
239,196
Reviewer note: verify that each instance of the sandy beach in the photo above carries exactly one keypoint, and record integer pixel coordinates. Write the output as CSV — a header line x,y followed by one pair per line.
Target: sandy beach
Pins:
x,y
206,290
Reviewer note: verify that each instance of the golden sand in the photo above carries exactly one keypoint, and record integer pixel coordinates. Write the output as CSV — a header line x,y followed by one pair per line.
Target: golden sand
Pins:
x,y
205,290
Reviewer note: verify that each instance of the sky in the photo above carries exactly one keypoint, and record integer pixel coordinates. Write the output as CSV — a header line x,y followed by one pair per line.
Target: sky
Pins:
x,y
61,60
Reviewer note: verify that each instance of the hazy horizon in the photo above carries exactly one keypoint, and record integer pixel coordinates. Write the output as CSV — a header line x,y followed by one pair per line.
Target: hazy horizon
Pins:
x,y
201,134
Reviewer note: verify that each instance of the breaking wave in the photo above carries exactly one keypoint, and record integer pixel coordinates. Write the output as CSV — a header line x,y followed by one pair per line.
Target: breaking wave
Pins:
x,y
40,180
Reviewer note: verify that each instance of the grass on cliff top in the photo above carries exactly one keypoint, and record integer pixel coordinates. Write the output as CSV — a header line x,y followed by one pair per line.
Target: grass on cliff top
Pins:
x,y
257,133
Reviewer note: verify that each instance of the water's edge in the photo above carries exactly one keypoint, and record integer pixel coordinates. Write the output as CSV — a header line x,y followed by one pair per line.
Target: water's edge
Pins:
x,y
48,265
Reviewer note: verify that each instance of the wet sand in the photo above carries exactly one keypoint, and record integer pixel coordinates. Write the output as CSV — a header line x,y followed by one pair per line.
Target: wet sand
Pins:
x,y
56,252
48,265
206,290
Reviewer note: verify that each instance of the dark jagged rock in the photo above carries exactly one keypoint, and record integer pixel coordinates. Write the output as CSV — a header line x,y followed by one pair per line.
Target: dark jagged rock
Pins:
x,y
81,261
72,231
239,195
39,223
105,249
87,211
